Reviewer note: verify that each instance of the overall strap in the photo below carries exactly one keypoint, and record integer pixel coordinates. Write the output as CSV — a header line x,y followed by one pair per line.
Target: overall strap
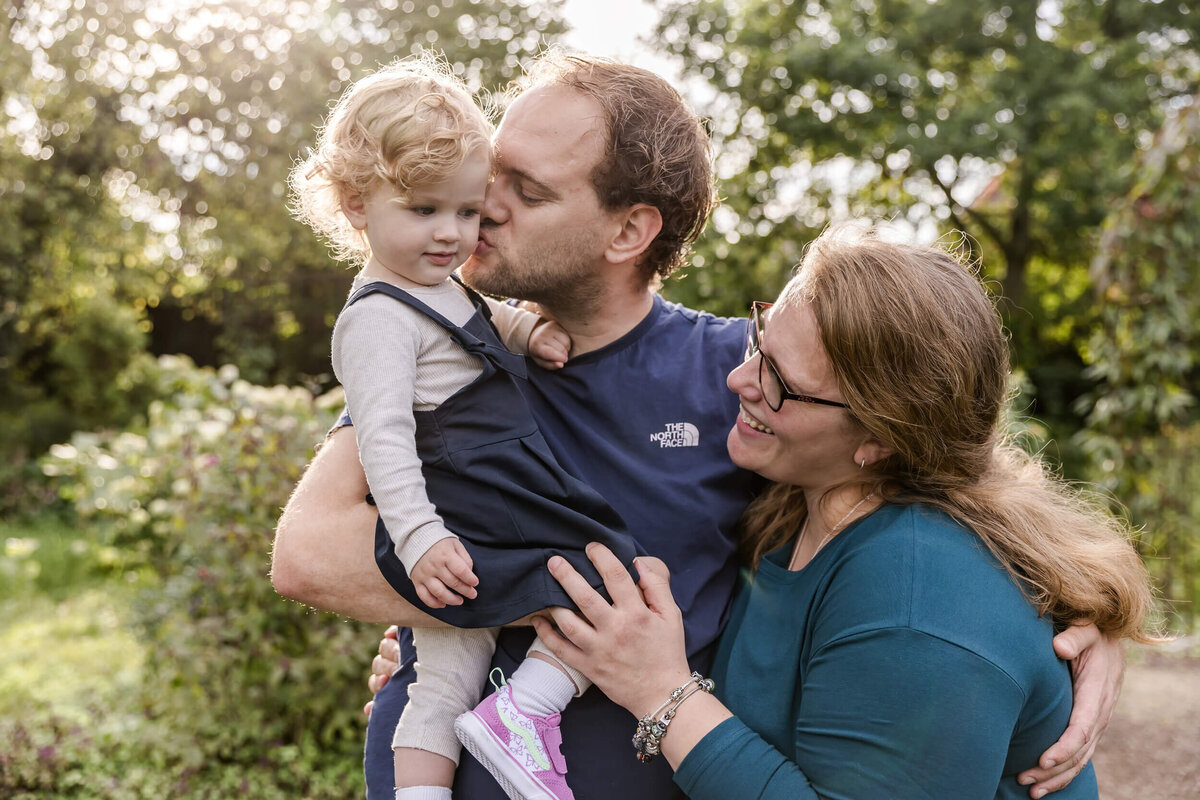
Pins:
x,y
474,296
465,339
504,358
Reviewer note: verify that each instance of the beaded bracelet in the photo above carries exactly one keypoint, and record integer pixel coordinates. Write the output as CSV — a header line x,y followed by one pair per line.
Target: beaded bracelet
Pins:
x,y
647,738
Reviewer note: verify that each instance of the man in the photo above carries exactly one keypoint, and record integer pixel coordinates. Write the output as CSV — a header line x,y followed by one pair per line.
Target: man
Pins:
x,y
602,181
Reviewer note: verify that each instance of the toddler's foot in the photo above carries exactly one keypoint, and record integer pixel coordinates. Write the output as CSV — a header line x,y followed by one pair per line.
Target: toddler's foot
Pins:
x,y
522,751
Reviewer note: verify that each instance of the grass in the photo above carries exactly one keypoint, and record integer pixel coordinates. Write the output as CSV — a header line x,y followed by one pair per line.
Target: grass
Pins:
x,y
66,641
66,656
51,556
78,719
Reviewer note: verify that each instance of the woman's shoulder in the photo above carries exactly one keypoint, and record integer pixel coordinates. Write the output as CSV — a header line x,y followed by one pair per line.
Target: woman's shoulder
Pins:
x,y
900,536
920,568
917,535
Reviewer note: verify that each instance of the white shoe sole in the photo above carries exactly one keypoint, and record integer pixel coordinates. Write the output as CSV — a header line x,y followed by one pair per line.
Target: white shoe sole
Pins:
x,y
493,754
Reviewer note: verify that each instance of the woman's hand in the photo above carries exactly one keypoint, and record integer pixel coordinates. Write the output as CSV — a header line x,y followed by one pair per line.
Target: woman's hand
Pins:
x,y
633,648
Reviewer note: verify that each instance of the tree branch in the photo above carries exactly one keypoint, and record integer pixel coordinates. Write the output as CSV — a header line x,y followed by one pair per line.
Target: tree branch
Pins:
x,y
983,222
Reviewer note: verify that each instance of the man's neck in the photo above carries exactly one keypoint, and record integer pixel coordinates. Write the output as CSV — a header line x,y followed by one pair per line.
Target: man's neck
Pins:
x,y
615,315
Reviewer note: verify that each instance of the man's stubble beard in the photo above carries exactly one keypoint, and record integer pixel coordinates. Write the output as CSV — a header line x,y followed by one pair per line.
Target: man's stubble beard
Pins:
x,y
556,277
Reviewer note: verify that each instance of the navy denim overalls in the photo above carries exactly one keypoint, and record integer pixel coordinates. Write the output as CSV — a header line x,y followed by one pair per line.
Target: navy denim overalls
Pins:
x,y
496,485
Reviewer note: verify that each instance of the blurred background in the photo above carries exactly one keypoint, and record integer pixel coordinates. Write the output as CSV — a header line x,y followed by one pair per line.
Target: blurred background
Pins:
x,y
164,324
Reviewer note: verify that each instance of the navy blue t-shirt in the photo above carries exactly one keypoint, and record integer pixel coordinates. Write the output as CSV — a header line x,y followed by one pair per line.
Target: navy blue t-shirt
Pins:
x,y
644,422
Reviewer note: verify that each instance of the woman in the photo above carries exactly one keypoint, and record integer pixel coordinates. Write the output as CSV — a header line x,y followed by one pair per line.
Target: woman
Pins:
x,y
892,638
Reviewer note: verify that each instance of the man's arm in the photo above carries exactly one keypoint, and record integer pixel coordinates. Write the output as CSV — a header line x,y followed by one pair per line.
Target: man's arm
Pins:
x,y
324,553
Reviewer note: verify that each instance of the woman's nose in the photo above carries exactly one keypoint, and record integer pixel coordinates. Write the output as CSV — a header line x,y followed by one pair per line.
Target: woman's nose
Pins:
x,y
743,379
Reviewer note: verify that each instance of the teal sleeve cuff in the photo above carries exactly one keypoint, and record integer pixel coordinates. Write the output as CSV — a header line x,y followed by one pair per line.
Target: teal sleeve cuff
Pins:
x,y
734,761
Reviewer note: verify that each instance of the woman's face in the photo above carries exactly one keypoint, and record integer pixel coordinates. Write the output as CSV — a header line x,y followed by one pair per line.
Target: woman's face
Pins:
x,y
803,444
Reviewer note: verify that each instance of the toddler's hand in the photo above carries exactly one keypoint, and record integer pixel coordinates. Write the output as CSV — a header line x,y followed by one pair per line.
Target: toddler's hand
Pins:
x,y
443,571
549,345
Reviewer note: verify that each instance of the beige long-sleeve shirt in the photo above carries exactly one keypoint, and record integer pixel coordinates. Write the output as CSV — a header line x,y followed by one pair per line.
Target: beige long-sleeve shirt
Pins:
x,y
391,360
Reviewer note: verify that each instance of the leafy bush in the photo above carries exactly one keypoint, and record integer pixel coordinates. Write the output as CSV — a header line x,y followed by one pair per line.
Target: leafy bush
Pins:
x,y
242,685
129,755
1143,424
1155,476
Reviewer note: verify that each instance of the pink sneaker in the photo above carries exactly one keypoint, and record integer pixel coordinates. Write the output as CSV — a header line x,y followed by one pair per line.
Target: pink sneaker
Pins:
x,y
523,752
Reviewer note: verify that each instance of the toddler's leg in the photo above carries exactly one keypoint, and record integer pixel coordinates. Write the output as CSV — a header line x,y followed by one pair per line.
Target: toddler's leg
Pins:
x,y
544,685
515,733
451,667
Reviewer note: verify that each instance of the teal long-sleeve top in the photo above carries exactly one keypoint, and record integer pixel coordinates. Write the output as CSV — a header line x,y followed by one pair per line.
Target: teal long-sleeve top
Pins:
x,y
902,662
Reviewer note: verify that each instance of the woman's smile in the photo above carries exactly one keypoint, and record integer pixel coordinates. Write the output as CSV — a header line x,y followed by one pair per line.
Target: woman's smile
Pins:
x,y
754,423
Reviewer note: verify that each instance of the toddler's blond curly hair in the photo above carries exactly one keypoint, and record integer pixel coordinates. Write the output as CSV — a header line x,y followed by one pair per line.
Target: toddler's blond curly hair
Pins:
x,y
410,124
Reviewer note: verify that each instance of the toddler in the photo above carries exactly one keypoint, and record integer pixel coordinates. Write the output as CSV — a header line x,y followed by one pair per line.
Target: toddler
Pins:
x,y
462,478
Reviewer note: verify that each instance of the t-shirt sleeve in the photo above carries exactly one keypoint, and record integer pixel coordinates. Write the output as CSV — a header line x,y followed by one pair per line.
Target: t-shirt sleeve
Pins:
x,y
886,713
375,348
514,324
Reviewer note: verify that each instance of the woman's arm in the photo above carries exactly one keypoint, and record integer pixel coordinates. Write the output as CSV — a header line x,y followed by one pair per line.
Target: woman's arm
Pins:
x,y
1097,669
925,717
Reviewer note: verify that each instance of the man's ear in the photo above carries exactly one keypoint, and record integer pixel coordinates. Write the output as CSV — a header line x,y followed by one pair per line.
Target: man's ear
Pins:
x,y
354,206
638,227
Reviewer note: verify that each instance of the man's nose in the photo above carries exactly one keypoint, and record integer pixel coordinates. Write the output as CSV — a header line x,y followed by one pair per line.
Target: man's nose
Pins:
x,y
494,211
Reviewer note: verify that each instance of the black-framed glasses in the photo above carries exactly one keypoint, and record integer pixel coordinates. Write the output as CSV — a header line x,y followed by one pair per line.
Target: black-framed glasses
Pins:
x,y
774,390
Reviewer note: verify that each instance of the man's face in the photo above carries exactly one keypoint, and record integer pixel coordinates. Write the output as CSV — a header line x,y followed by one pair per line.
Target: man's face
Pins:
x,y
544,232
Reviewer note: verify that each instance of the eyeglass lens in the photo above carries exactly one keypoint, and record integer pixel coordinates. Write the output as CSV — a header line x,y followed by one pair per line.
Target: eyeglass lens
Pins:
x,y
769,382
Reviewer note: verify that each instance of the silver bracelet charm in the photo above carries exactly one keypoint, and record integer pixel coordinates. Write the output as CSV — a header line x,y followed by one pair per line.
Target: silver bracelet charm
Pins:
x,y
647,738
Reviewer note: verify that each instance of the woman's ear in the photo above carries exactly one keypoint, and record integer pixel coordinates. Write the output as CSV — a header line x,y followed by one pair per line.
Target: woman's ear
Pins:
x,y
871,451
354,206
638,227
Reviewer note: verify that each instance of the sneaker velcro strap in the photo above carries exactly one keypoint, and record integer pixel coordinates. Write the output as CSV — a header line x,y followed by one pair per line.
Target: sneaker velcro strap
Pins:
x,y
553,739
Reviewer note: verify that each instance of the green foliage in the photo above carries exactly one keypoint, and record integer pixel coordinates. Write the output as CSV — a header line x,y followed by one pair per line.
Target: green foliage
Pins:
x,y
191,498
1013,122
1141,432
144,149
49,557
729,270
69,330
186,119
1146,350
129,756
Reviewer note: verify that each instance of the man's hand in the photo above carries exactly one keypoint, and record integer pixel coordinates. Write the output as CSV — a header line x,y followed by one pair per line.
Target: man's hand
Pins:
x,y
1097,667
443,574
549,345
383,666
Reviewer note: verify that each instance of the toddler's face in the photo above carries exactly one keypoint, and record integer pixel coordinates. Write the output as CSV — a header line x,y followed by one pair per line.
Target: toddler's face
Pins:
x,y
424,237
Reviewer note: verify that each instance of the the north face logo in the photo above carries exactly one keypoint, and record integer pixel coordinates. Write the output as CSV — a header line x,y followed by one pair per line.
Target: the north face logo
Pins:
x,y
677,434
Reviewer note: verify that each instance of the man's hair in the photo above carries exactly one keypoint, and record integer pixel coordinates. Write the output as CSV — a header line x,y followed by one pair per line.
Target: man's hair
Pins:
x,y
657,151
411,124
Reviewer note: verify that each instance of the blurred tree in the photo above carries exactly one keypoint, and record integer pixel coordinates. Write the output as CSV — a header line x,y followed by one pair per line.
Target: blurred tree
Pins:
x,y
71,259
233,114
1142,431
1010,121
144,149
